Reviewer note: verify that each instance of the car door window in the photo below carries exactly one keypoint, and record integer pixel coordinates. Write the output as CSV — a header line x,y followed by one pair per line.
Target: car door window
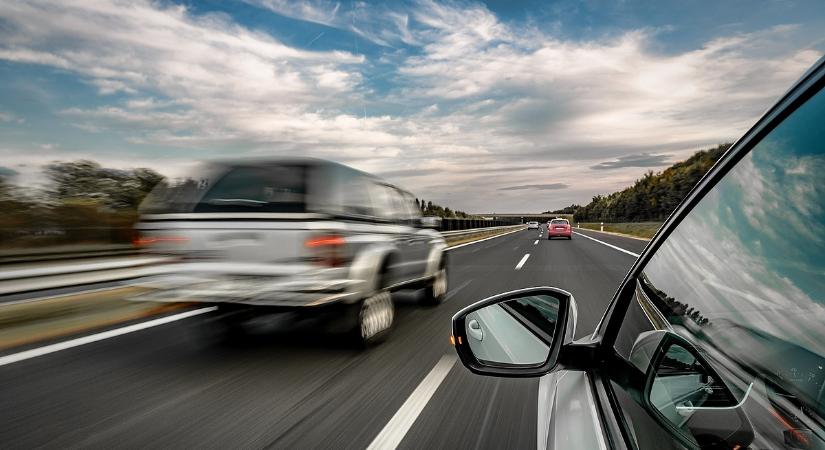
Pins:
x,y
742,278
354,193
399,208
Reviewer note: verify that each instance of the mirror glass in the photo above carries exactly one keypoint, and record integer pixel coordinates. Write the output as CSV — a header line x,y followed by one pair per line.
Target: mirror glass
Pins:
x,y
516,331
690,395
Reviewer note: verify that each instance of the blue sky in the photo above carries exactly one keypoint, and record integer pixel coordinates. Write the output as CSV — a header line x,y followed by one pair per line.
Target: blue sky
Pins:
x,y
503,106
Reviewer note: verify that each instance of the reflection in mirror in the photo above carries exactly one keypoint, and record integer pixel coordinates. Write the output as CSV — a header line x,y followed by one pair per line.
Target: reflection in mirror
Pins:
x,y
691,396
517,331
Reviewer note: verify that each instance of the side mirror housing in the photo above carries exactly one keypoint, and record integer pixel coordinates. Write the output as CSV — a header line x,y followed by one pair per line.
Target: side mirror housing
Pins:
x,y
515,334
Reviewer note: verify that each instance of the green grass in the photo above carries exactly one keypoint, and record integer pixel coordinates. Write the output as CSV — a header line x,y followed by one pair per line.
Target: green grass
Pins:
x,y
639,229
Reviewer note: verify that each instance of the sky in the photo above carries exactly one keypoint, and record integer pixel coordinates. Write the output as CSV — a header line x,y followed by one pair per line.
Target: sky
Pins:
x,y
483,107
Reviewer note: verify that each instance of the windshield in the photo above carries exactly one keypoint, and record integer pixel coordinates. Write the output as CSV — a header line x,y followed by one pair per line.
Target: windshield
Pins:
x,y
559,222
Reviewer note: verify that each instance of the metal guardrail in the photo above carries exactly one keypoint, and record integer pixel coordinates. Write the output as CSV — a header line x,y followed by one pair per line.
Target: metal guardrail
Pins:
x,y
448,234
71,252
65,253
466,224
65,274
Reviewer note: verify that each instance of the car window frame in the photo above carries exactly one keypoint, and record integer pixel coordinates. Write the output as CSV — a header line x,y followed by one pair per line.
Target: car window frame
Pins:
x,y
607,330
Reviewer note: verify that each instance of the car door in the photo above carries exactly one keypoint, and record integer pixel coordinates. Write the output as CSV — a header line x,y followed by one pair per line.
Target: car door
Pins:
x,y
420,239
389,206
739,284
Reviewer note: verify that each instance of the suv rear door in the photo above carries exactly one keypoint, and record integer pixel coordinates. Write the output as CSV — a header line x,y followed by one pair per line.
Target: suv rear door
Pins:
x,y
239,213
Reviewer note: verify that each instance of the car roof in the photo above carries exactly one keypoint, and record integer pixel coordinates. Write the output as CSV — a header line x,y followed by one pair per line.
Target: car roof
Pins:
x,y
297,160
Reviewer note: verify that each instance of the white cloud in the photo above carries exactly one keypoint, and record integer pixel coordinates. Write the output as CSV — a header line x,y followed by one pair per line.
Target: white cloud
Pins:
x,y
476,92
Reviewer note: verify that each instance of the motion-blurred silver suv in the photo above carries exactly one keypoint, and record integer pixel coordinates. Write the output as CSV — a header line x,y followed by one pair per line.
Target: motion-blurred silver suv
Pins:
x,y
309,237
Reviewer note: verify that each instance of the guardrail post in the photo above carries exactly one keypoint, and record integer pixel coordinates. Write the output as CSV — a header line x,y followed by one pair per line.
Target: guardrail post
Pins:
x,y
601,227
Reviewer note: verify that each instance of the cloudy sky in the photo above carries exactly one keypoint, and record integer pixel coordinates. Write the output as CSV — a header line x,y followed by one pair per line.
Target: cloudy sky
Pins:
x,y
503,106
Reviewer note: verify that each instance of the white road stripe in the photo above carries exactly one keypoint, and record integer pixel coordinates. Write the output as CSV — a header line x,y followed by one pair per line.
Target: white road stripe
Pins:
x,y
395,430
609,245
537,241
523,260
40,351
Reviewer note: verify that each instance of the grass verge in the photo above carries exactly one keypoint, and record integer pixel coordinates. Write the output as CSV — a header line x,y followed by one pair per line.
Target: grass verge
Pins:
x,y
639,229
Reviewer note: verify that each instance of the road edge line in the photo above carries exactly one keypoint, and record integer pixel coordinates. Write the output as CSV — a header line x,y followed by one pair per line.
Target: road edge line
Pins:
x,y
609,245
71,343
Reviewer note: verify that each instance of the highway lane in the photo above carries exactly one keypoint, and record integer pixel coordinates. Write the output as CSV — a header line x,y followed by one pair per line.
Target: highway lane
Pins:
x,y
162,388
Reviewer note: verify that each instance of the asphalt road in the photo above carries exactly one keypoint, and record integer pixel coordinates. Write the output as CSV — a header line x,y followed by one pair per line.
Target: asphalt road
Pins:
x,y
162,387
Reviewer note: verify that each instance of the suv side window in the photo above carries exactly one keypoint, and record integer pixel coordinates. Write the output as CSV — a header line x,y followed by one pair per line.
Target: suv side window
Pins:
x,y
411,205
354,193
401,207
742,278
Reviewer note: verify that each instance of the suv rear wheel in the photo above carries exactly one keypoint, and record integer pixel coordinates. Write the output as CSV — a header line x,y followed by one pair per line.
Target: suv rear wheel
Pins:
x,y
436,289
375,318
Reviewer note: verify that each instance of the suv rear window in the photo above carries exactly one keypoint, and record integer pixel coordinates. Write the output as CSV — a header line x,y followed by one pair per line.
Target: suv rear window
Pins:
x,y
258,189
267,188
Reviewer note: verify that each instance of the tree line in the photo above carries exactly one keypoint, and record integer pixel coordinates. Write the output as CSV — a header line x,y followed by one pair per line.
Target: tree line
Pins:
x,y
652,197
431,209
81,202
84,202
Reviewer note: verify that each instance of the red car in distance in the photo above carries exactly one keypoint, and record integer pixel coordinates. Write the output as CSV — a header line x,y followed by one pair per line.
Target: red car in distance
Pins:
x,y
559,228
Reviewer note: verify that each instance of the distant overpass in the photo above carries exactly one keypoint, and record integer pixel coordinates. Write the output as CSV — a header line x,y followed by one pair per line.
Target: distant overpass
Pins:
x,y
525,217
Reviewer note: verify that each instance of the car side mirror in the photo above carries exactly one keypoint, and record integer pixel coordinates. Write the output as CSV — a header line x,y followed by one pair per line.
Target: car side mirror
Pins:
x,y
429,222
516,334
687,395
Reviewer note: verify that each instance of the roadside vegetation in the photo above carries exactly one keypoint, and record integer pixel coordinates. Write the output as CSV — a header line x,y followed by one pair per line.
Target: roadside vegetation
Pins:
x,y
430,209
654,196
639,210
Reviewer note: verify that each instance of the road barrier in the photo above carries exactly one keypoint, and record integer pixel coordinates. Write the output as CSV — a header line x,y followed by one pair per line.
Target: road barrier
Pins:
x,y
467,224
72,252
65,252
52,274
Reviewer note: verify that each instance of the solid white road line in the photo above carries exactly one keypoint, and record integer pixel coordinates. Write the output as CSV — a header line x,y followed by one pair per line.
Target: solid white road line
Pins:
x,y
537,241
609,245
395,430
523,260
482,240
35,352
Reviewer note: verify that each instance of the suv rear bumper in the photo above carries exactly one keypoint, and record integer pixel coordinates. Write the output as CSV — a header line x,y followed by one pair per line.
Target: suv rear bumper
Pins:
x,y
307,288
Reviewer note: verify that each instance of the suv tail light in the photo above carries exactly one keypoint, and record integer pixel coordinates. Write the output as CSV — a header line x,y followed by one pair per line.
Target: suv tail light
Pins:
x,y
328,250
144,241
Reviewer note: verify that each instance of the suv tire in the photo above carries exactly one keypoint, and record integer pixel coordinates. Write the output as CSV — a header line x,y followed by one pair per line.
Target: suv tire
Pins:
x,y
436,289
376,314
